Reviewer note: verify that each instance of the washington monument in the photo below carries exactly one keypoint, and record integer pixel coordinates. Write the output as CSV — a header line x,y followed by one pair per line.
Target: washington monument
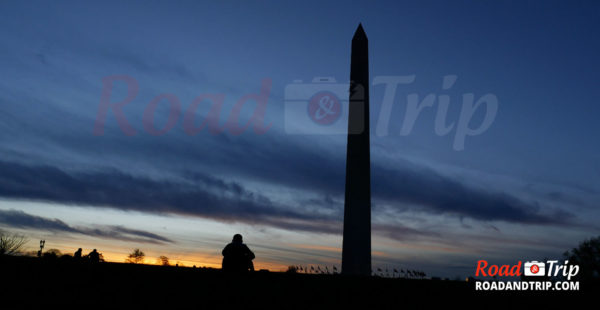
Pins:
x,y
356,249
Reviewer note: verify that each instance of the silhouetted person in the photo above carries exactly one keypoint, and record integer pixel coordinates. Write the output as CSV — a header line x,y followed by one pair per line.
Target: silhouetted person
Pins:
x,y
94,256
77,254
237,257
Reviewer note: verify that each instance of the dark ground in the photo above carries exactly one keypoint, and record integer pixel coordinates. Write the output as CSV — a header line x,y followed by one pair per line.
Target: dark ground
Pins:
x,y
36,282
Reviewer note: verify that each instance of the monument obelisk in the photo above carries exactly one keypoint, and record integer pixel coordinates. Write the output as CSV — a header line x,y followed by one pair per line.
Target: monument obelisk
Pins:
x,y
356,249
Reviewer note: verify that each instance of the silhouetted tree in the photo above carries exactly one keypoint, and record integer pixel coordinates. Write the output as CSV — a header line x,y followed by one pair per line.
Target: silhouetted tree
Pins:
x,y
163,260
136,257
10,243
292,269
52,254
587,257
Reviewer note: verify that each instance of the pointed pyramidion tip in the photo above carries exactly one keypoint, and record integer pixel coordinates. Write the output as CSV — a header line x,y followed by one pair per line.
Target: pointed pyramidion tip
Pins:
x,y
360,32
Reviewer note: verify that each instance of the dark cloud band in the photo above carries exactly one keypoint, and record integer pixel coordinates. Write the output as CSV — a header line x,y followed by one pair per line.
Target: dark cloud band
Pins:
x,y
20,219
207,196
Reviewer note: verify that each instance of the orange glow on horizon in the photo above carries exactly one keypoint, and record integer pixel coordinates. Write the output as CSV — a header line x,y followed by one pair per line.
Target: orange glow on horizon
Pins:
x,y
208,261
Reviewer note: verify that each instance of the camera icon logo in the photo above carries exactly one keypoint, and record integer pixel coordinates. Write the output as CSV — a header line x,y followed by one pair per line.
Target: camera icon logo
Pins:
x,y
535,269
321,107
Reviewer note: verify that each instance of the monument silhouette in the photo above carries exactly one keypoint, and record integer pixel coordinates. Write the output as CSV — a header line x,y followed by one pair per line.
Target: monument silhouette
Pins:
x,y
356,249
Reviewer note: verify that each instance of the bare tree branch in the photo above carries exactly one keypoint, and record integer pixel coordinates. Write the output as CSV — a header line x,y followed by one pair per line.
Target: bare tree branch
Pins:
x,y
11,243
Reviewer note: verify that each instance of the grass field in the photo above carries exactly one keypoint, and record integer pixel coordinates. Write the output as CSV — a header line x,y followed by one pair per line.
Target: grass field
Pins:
x,y
33,281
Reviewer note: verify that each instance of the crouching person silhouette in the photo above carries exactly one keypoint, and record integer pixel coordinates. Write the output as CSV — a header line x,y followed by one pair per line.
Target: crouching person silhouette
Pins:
x,y
237,257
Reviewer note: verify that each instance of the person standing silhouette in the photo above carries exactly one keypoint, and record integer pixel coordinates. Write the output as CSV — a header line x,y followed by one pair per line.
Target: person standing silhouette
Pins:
x,y
237,257
77,254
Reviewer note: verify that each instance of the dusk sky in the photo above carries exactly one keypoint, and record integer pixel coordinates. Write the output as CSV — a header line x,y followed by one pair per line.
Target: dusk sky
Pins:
x,y
525,186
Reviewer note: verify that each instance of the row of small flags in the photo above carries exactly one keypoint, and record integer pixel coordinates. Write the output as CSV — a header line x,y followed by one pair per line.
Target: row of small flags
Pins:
x,y
312,269
407,273
378,272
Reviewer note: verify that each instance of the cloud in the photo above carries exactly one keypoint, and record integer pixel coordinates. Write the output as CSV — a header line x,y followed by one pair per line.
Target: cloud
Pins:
x,y
199,194
206,196
20,219
423,189
400,232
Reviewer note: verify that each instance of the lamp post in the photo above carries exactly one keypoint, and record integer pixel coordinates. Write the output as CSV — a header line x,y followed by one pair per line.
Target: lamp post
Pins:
x,y
42,243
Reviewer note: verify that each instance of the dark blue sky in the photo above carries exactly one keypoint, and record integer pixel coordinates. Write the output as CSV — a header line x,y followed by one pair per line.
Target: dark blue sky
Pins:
x,y
531,178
